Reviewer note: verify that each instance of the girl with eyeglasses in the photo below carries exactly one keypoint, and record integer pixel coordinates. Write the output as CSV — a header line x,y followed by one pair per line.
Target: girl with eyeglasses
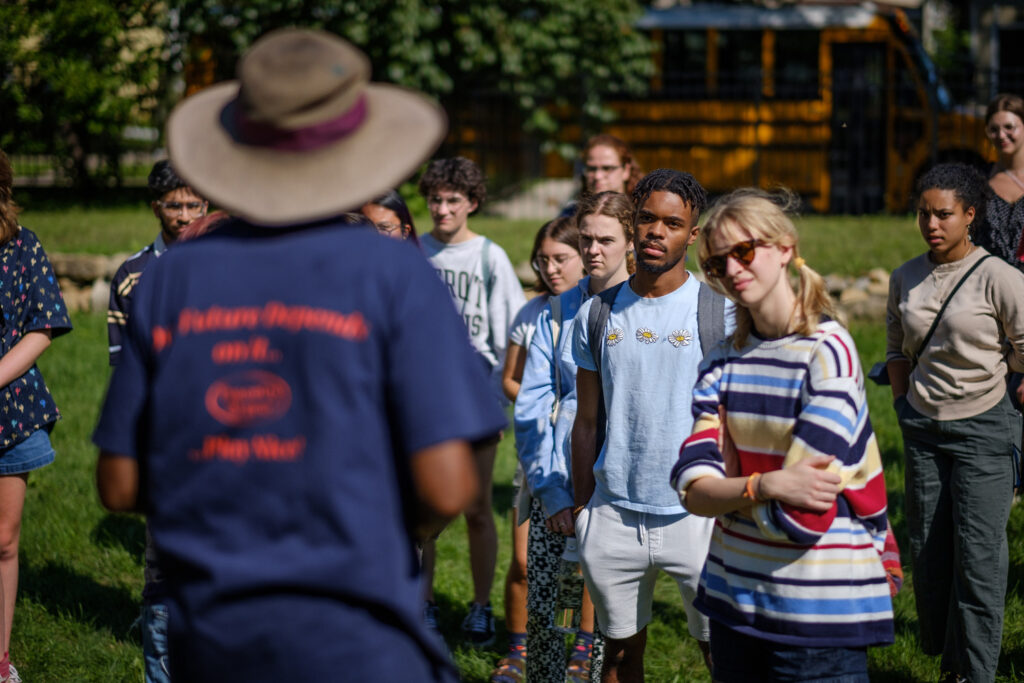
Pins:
x,y
556,262
783,456
390,215
1001,231
955,329
608,165
544,414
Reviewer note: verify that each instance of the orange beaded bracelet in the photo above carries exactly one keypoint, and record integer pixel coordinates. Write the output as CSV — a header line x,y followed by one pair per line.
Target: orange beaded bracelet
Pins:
x,y
750,490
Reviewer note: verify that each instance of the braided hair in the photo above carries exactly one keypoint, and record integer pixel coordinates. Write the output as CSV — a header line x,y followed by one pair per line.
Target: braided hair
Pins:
x,y
679,183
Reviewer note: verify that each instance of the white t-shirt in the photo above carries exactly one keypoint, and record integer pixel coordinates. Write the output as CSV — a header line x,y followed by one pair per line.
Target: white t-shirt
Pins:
x,y
487,295
525,323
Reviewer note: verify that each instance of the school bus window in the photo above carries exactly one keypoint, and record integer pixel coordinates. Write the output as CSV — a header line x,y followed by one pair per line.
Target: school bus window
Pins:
x,y
796,65
685,62
739,65
907,95
1011,59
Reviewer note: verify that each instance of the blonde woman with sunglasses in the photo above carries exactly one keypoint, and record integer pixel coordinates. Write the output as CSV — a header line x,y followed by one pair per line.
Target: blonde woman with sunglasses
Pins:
x,y
783,456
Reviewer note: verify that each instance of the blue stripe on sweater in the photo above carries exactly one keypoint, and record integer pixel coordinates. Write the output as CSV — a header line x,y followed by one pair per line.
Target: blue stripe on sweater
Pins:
x,y
803,606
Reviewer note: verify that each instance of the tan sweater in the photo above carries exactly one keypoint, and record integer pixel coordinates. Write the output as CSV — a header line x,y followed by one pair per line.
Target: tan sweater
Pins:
x,y
962,371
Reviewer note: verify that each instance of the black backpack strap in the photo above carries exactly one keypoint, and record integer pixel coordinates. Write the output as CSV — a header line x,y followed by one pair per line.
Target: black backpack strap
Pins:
x,y
710,317
942,309
597,322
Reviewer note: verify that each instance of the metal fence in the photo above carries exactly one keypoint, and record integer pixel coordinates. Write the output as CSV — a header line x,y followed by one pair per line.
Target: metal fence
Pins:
x,y
880,130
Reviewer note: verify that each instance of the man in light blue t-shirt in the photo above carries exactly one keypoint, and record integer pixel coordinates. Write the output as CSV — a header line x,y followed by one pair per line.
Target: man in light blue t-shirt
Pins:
x,y
628,519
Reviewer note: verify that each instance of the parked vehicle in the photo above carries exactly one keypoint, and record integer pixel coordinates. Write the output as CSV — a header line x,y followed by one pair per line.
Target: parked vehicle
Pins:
x,y
837,102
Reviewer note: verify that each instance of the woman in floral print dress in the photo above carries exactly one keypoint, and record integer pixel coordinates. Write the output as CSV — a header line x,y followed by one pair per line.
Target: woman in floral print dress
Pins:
x,y
33,313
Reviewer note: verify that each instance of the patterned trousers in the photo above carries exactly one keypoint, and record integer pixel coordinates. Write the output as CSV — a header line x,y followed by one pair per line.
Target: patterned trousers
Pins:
x,y
546,647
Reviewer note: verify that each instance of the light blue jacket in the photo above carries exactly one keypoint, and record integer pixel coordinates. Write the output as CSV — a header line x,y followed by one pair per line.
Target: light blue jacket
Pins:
x,y
541,439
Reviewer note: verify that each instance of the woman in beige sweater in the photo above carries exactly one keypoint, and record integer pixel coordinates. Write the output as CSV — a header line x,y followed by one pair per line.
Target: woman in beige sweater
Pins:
x,y
959,427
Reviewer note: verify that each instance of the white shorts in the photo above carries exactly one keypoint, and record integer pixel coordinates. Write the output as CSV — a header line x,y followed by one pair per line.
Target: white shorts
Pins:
x,y
621,552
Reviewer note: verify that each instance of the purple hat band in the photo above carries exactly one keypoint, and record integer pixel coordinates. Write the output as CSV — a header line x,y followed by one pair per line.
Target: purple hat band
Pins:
x,y
299,139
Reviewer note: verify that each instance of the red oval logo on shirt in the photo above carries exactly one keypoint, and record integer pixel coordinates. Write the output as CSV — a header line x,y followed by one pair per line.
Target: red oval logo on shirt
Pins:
x,y
248,397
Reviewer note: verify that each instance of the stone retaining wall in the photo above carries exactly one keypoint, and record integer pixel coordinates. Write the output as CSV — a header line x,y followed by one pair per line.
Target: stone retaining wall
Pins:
x,y
85,281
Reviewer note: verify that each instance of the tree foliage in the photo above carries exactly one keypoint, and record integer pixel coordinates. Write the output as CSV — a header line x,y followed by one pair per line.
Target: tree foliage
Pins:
x,y
541,54
75,74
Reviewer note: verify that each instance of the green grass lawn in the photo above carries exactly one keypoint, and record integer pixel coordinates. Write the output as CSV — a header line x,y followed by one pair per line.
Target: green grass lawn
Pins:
x,y
849,245
82,568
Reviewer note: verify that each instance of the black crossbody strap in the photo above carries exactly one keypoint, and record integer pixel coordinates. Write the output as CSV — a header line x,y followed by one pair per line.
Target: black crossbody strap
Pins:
x,y
942,309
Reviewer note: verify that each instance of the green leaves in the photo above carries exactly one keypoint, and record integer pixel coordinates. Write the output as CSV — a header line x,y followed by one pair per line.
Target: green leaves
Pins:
x,y
78,72
75,73
539,53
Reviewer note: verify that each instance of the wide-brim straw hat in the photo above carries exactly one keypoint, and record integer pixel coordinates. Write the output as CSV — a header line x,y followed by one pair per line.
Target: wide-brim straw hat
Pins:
x,y
302,134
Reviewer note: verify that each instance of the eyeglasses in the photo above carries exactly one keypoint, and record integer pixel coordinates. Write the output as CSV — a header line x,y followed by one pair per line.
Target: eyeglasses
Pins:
x,y
178,207
454,201
541,263
591,170
744,252
387,228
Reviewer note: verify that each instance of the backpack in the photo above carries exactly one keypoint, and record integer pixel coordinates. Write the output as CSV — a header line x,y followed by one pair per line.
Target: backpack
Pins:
x,y
710,329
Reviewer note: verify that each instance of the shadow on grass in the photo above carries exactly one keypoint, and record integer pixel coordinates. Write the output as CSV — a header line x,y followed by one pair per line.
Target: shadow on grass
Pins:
x,y
502,498
121,531
670,613
60,198
65,592
1011,663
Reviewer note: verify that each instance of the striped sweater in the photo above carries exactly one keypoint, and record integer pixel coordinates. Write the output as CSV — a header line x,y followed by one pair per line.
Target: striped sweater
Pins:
x,y
782,573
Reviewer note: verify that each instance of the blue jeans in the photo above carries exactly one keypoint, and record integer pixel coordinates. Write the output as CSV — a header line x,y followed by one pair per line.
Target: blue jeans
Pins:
x,y
739,658
154,642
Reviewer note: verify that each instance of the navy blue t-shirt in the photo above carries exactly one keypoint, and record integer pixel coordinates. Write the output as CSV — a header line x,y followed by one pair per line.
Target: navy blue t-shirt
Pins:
x,y
273,385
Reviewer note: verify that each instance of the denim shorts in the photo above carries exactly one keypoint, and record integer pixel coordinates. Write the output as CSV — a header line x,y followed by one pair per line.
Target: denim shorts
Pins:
x,y
25,456
739,658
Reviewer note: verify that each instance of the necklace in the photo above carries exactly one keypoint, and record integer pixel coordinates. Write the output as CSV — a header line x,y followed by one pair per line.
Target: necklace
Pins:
x,y
1013,176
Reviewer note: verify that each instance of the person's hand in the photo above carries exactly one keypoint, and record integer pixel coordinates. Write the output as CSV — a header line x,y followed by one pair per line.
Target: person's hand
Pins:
x,y
808,484
727,447
561,523
1020,393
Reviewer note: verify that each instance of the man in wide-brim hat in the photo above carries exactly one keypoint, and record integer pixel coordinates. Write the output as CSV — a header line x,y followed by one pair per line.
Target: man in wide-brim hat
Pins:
x,y
295,395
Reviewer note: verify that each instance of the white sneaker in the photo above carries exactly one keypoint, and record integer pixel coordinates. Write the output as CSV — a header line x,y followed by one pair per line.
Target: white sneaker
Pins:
x,y
14,677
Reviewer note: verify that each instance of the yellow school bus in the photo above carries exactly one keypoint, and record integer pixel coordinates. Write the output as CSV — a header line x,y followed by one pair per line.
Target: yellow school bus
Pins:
x,y
837,102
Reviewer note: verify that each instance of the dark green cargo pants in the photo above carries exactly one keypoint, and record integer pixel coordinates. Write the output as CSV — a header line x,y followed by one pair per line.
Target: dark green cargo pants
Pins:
x,y
959,487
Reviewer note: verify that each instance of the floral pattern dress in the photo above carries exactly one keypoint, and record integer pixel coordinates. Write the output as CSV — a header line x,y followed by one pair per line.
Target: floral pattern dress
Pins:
x,y
1001,232
30,300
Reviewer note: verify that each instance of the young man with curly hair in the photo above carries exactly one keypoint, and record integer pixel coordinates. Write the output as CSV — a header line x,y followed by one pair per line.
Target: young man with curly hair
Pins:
x,y
487,294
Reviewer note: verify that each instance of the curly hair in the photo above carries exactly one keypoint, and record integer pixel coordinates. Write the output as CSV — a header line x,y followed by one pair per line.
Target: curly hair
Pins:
x,y
766,217
969,187
679,183
457,174
624,153
614,205
162,179
8,208
562,229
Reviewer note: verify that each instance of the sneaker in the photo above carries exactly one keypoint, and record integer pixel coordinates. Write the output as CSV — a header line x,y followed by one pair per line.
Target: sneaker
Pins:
x,y
478,626
432,616
14,677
